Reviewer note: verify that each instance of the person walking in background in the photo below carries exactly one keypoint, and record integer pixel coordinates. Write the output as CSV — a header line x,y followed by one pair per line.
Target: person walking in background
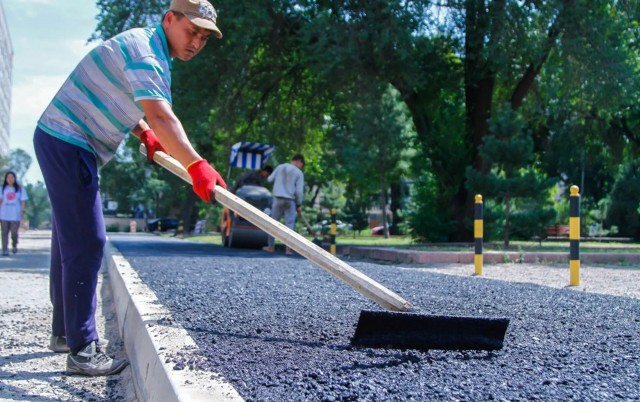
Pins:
x,y
12,204
111,92
288,190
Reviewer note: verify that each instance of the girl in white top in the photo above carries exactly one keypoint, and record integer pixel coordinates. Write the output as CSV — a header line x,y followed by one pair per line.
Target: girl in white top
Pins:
x,y
12,202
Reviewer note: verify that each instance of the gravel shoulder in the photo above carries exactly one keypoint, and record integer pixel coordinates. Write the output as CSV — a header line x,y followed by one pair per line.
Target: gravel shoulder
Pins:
x,y
612,280
29,371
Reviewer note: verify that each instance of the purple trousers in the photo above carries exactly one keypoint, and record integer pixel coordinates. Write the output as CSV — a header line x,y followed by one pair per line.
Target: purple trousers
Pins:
x,y
77,236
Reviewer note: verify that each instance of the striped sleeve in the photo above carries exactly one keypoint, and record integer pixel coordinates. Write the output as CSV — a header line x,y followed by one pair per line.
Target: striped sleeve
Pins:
x,y
148,80
99,102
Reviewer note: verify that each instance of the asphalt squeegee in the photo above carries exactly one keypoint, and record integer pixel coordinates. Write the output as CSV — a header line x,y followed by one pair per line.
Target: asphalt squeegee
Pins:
x,y
401,326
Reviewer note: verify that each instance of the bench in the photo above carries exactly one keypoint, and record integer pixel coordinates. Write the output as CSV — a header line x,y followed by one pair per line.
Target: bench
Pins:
x,y
557,230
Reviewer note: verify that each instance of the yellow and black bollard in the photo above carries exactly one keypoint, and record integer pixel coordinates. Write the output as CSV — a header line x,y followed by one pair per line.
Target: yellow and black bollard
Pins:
x,y
332,232
478,234
574,236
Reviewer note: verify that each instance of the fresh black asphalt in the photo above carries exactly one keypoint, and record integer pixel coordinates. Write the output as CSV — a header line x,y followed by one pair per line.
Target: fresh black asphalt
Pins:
x,y
278,328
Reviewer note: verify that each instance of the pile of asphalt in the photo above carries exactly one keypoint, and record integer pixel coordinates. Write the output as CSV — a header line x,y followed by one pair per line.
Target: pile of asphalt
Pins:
x,y
279,329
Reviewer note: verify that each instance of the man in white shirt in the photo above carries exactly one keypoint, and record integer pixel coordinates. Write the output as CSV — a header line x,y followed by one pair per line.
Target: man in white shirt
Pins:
x,y
288,190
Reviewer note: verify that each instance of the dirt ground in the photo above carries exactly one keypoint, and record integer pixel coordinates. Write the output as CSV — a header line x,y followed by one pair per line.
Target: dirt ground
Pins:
x,y
612,280
29,371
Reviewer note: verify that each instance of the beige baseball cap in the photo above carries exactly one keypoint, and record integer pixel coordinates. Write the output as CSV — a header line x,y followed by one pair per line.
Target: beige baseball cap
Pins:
x,y
200,12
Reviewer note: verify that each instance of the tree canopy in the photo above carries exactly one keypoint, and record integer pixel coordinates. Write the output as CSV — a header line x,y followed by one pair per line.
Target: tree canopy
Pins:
x,y
306,76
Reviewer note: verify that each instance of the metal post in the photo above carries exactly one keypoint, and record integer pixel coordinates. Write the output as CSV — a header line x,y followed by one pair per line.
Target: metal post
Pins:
x,y
478,234
332,232
574,236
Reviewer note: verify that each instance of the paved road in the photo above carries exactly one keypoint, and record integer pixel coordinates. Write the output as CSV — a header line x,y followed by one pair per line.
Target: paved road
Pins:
x,y
278,328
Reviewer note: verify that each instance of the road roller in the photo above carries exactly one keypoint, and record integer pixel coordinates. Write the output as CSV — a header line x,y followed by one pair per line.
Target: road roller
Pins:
x,y
238,232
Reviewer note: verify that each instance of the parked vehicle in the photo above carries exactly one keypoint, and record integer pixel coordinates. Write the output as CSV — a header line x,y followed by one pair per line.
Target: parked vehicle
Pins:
x,y
377,231
162,224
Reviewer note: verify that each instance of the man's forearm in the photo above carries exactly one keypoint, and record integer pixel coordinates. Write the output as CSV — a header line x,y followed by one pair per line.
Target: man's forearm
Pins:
x,y
160,117
175,141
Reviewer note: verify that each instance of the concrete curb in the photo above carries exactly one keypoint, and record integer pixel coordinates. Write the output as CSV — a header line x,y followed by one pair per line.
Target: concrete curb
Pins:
x,y
153,341
492,257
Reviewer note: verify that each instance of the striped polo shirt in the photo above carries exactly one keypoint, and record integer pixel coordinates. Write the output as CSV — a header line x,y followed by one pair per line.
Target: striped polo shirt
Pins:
x,y
97,106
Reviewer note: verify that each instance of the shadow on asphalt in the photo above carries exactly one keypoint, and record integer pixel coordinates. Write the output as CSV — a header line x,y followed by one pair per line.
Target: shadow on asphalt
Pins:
x,y
145,247
37,261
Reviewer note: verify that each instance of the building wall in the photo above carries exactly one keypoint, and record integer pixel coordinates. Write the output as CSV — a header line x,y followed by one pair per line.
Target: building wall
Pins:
x,y
6,68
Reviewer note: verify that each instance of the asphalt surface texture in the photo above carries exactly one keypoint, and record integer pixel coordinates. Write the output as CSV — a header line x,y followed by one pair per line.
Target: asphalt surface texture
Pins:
x,y
279,328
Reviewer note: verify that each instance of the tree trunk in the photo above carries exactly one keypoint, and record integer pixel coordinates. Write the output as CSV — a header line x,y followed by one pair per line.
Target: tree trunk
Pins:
x,y
483,23
186,212
383,206
479,83
396,205
533,70
507,227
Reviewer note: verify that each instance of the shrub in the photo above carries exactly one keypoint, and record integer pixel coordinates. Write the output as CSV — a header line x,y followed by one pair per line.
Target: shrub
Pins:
x,y
623,211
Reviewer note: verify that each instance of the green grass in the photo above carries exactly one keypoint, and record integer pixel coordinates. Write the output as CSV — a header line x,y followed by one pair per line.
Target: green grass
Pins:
x,y
380,241
208,238
407,242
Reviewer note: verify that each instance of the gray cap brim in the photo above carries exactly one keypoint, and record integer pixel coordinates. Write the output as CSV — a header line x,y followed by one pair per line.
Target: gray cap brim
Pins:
x,y
206,24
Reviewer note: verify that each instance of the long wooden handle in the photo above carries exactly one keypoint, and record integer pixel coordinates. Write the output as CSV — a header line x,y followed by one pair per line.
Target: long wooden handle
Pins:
x,y
349,275
306,222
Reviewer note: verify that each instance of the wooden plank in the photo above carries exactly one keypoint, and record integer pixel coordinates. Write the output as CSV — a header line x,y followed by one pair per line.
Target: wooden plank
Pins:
x,y
333,265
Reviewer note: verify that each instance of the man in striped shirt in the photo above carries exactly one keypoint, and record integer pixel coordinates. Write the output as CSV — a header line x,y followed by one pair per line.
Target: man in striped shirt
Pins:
x,y
122,86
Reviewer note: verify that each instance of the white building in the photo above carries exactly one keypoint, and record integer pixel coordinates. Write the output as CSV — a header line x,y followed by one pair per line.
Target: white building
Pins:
x,y
6,68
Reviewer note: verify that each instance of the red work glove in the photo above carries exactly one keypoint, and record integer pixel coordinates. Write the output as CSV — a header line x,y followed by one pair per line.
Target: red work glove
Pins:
x,y
149,139
204,178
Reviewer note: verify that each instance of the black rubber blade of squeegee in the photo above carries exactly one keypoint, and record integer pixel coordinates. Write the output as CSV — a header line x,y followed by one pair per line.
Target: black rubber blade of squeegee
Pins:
x,y
394,330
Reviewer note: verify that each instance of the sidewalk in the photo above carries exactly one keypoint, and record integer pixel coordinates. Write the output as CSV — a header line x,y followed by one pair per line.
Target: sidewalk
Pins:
x,y
28,370
399,255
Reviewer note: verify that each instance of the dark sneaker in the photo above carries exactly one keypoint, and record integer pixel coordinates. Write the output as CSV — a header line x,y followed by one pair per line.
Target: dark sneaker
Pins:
x,y
92,362
58,344
14,250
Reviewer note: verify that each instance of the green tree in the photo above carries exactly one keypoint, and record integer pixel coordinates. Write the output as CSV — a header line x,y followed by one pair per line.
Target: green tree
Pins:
x,y
18,161
376,149
623,210
512,174
130,180
355,212
295,75
248,87
38,207
430,216
511,48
